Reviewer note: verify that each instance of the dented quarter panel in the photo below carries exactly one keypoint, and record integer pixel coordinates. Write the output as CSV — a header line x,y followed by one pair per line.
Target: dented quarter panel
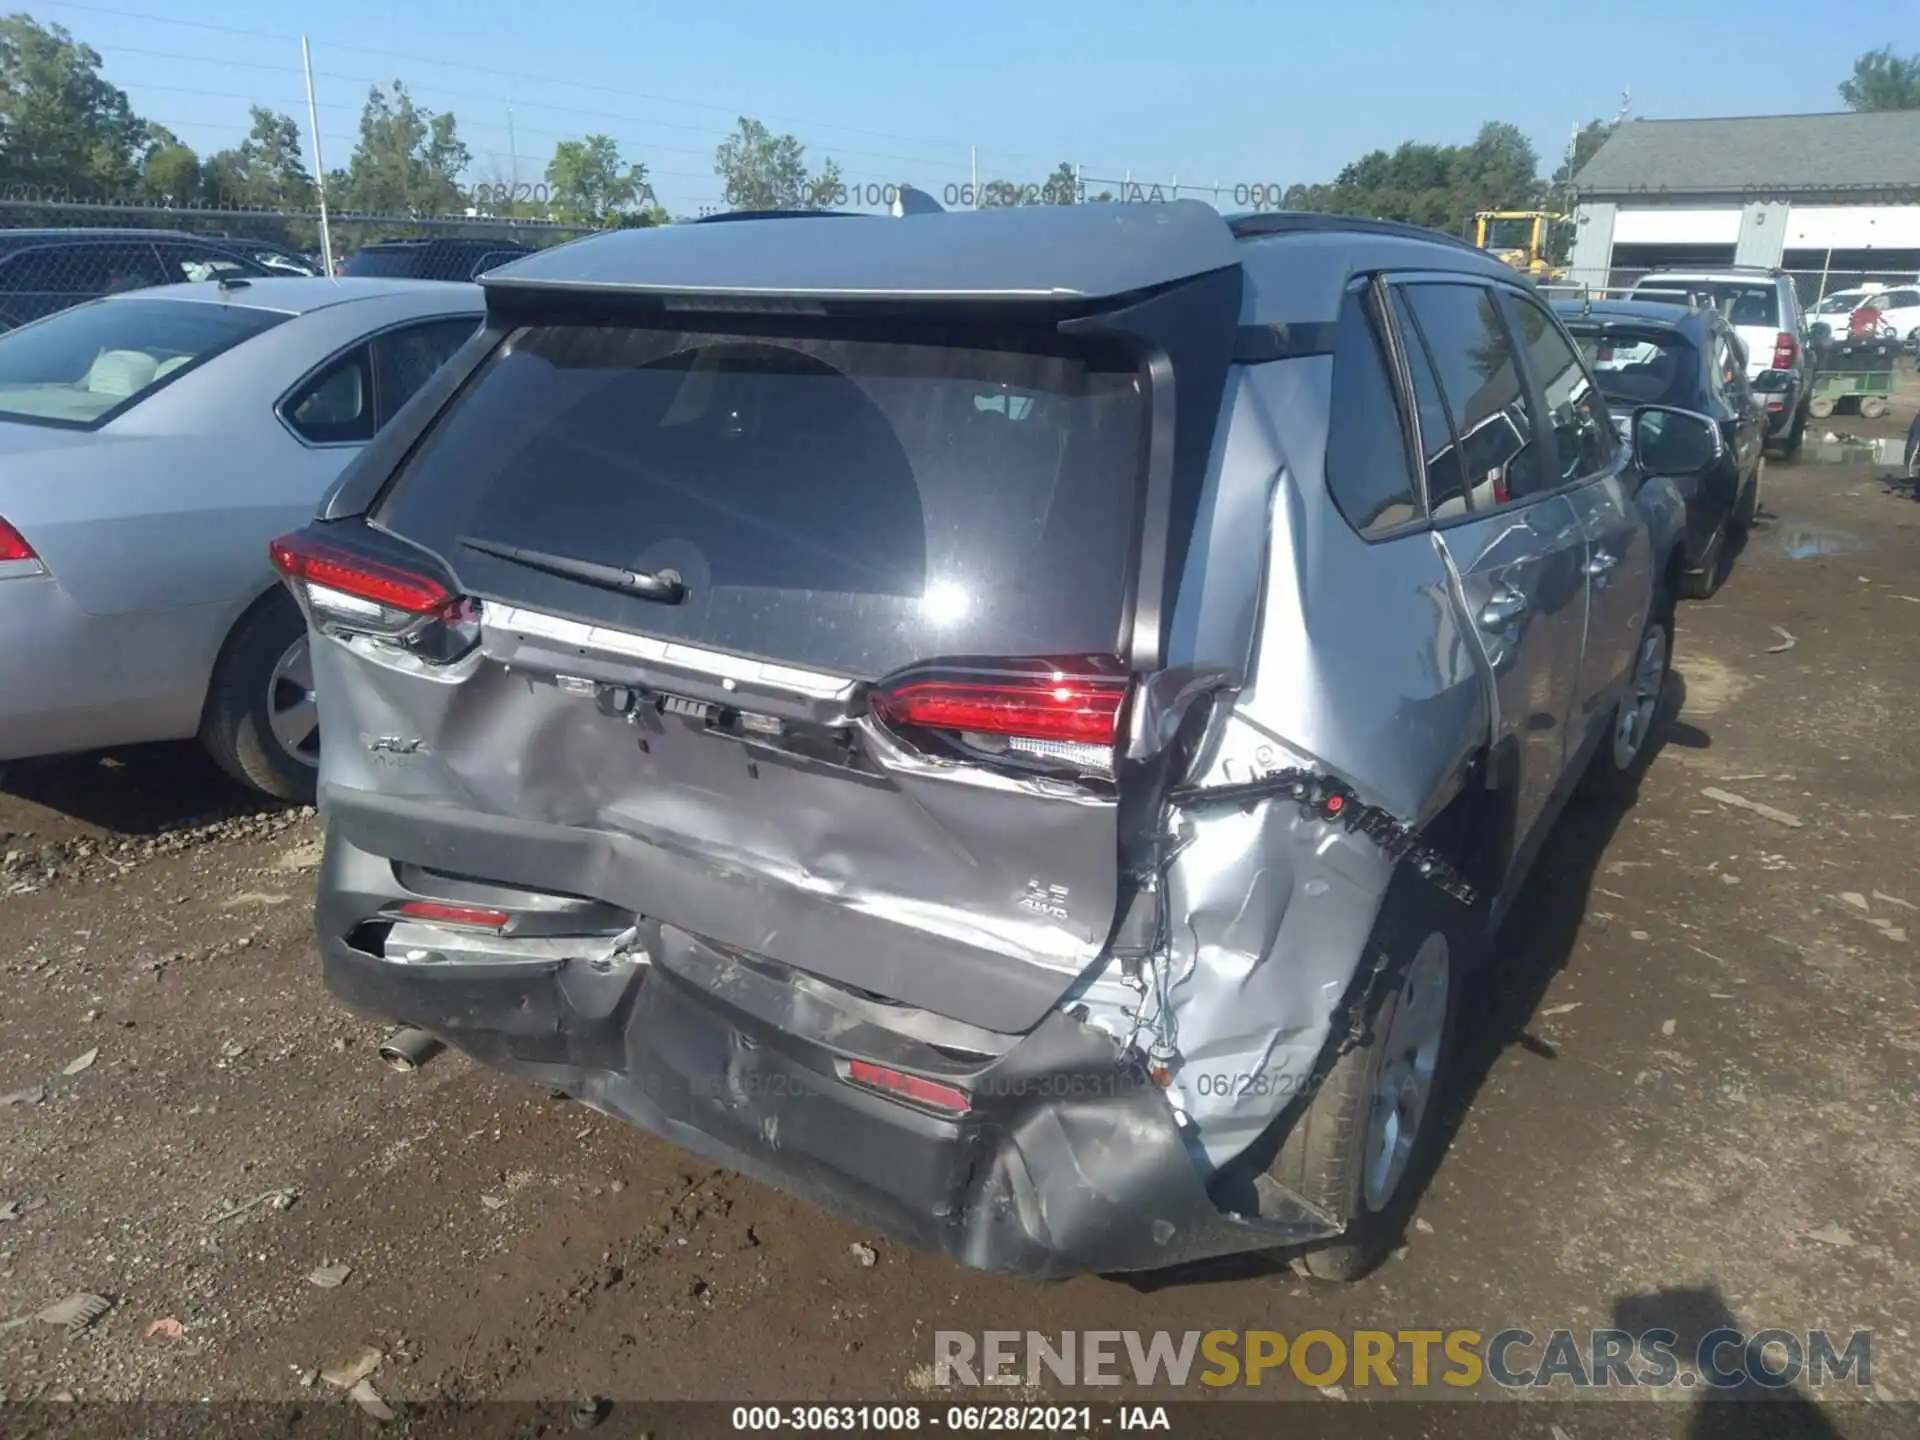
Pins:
x,y
1268,910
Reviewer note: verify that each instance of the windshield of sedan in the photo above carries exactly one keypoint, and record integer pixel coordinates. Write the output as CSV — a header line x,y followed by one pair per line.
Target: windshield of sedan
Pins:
x,y
1639,367
82,367
1844,302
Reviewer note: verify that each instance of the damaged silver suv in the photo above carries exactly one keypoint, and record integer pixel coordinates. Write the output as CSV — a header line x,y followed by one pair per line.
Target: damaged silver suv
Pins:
x,y
1010,726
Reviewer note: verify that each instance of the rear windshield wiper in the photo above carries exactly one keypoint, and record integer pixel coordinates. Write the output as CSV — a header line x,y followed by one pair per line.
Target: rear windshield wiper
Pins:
x,y
665,586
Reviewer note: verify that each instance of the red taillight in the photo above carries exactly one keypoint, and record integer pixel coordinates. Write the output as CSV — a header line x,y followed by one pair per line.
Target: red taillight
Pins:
x,y
299,558
909,1087
1785,348
13,545
1046,706
471,917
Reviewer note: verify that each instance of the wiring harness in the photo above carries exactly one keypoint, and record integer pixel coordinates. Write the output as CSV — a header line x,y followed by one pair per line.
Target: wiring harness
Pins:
x,y
1325,798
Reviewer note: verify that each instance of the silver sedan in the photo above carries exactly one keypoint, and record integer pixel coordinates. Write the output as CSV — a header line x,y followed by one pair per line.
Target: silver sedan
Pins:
x,y
151,444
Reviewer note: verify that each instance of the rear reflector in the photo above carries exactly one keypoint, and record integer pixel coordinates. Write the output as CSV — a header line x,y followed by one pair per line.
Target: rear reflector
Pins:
x,y
322,567
13,545
1046,707
471,917
909,1087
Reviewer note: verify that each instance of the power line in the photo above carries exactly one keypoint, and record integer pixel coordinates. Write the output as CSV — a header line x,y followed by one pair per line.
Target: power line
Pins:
x,y
517,76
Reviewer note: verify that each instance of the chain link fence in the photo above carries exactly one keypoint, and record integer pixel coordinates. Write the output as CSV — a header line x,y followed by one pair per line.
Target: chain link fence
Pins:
x,y
57,249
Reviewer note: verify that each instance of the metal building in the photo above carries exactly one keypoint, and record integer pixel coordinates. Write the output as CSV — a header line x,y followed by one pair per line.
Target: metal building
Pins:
x,y
1833,198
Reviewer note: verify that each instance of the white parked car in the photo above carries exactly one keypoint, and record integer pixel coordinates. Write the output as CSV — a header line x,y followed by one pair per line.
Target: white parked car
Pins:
x,y
151,444
1899,307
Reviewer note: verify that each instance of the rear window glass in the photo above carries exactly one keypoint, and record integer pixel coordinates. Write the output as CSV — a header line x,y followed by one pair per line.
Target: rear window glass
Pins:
x,y
1640,368
83,366
840,504
1743,303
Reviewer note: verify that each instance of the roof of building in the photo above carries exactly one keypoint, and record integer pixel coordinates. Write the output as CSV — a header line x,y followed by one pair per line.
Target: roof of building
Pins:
x,y
1847,151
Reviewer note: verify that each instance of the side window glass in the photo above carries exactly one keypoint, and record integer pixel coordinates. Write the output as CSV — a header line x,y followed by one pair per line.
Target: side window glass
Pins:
x,y
1446,487
1474,362
336,406
189,263
1582,430
408,358
86,269
1368,469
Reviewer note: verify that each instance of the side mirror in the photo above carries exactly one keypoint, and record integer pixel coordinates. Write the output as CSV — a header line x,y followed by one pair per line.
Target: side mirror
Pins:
x,y
1673,442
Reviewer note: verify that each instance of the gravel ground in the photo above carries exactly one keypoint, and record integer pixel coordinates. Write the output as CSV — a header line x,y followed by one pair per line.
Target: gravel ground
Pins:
x,y
1685,1093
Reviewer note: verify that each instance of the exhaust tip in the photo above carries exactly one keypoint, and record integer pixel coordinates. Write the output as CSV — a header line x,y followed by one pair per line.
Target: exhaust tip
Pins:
x,y
407,1049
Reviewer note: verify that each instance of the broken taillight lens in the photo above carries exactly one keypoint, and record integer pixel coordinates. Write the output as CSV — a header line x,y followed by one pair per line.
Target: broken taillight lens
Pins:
x,y
913,1088
465,917
347,593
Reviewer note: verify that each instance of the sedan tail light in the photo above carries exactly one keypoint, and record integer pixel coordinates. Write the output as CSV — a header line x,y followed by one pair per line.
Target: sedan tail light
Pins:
x,y
347,593
1785,350
16,555
1055,709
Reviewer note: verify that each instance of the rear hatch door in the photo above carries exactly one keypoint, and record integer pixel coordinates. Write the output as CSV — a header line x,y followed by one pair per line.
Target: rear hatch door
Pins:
x,y
859,711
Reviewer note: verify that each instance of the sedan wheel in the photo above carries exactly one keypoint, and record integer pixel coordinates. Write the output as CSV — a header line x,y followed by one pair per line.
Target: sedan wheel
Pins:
x,y
291,712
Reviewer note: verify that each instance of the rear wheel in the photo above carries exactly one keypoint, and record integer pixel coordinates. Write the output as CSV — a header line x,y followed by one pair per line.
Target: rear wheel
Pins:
x,y
1821,406
261,724
1624,755
1872,407
1362,1143
1747,508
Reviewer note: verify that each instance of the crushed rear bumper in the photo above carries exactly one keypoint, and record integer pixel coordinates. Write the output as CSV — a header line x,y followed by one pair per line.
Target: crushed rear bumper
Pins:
x,y
1069,1160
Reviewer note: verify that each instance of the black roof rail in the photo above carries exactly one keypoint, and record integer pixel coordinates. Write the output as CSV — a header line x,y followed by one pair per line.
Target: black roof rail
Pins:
x,y
1773,271
1260,225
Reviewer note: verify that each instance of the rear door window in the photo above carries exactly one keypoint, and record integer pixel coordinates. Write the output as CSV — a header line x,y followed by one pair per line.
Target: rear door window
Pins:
x,y
1367,466
1576,416
1474,362
848,505
406,358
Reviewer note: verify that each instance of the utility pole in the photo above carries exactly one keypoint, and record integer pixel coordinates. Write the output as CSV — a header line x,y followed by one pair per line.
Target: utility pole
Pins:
x,y
319,165
513,157
973,168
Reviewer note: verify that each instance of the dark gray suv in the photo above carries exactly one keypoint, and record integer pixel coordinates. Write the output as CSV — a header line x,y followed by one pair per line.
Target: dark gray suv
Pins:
x,y
1010,726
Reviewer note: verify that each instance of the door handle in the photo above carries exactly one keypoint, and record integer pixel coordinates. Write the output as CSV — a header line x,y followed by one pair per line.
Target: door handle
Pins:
x,y
1503,607
1602,562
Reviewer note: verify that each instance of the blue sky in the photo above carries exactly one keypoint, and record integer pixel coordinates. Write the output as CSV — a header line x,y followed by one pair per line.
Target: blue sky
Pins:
x,y
1233,91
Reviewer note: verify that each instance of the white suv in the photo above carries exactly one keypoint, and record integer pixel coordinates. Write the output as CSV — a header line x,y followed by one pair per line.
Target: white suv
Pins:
x,y
1899,307
1764,310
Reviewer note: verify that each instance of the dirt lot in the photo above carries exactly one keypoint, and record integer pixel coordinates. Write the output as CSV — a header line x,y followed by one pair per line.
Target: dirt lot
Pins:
x,y
1686,1095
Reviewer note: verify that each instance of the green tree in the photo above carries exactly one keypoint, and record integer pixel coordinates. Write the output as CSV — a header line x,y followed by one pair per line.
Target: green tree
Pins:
x,y
1062,187
61,123
1882,80
265,170
170,173
408,162
1586,145
590,184
764,171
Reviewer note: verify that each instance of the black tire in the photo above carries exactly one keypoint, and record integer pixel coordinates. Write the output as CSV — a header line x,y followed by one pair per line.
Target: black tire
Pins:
x,y
1323,1159
1610,775
235,727
1796,434
1747,508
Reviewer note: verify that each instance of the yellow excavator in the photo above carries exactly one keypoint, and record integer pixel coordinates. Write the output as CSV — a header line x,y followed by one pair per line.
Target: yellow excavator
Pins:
x,y
1519,237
